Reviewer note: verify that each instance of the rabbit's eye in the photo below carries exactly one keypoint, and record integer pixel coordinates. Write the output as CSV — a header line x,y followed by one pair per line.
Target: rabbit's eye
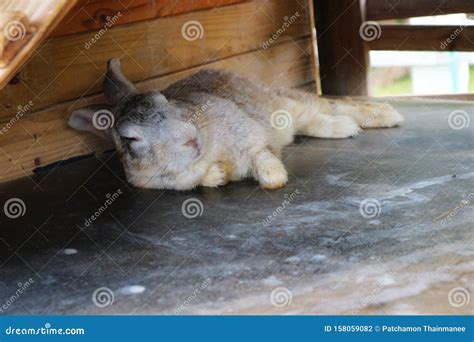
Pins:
x,y
130,144
129,140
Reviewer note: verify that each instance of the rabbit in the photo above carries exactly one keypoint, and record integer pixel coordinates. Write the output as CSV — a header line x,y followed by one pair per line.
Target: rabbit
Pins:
x,y
215,126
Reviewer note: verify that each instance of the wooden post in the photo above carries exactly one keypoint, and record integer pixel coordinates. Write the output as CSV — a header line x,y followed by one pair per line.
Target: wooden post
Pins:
x,y
343,56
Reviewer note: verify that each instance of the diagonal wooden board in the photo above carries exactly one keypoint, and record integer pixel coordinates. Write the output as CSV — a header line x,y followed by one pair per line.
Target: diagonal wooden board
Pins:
x,y
43,16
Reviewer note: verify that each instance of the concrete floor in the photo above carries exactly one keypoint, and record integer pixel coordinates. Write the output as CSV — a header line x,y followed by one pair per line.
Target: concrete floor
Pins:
x,y
249,251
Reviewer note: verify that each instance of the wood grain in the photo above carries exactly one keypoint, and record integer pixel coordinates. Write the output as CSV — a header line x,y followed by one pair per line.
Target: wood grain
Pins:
x,y
343,57
44,137
424,38
400,9
14,26
441,97
43,16
64,69
89,15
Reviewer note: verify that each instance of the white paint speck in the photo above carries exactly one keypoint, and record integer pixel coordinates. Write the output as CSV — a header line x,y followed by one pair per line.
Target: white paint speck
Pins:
x,y
338,180
69,251
386,279
48,280
231,237
176,238
375,222
271,281
318,257
293,259
132,289
66,302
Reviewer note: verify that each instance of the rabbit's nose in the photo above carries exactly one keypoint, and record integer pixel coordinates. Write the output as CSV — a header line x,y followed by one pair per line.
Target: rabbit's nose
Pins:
x,y
129,131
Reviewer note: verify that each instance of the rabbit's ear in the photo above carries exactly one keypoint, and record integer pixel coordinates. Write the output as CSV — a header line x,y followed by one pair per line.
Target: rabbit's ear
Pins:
x,y
116,86
97,119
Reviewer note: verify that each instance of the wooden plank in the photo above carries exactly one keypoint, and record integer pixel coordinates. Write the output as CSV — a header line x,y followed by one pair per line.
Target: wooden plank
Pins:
x,y
43,137
43,16
424,38
89,15
454,97
343,58
65,69
15,32
400,9
441,97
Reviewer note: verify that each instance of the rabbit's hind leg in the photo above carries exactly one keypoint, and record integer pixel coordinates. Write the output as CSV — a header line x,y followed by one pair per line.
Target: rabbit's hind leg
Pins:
x,y
309,120
366,113
328,126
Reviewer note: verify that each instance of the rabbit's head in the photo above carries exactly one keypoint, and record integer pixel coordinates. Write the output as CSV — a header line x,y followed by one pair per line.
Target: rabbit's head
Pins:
x,y
149,132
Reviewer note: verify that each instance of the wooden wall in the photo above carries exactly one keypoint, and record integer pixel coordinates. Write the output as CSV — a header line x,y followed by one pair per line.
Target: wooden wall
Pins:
x,y
66,72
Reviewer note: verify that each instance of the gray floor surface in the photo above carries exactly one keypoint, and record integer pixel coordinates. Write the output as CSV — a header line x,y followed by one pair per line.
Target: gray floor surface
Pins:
x,y
379,224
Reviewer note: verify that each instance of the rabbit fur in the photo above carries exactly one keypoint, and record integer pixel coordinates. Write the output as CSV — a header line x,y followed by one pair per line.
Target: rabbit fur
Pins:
x,y
215,126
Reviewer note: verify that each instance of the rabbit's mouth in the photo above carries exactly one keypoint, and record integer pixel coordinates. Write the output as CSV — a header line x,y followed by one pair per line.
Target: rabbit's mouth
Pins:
x,y
198,151
196,145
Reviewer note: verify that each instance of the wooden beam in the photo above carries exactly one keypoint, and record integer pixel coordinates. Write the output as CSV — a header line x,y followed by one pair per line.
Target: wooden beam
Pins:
x,y
42,17
41,138
90,15
424,38
441,97
15,31
400,9
343,59
72,66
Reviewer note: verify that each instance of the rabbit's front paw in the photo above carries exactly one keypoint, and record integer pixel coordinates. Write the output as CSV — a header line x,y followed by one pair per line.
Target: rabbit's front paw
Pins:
x,y
270,171
272,179
214,177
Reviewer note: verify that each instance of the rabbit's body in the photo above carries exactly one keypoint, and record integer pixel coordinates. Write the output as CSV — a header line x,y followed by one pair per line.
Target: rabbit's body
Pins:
x,y
224,127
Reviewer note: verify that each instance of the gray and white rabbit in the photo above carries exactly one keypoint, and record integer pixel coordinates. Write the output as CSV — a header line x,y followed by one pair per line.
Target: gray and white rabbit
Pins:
x,y
214,127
